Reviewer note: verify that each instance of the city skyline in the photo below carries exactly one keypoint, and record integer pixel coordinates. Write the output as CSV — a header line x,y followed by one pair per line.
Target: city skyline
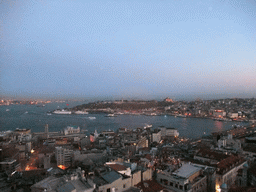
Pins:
x,y
128,49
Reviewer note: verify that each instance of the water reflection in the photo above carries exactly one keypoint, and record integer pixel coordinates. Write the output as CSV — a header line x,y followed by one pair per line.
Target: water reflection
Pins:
x,y
218,125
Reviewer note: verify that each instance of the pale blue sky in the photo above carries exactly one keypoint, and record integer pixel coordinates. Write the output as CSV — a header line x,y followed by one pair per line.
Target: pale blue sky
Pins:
x,y
128,49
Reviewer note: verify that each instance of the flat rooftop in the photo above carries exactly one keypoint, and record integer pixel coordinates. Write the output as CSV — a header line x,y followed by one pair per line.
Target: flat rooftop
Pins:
x,y
186,171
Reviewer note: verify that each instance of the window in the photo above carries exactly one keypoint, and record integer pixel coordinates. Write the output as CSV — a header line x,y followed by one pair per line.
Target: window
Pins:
x,y
108,190
181,187
176,185
171,183
123,185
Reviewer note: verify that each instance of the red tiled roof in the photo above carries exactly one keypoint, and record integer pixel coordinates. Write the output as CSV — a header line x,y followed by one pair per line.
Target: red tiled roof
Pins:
x,y
228,163
211,154
150,186
117,167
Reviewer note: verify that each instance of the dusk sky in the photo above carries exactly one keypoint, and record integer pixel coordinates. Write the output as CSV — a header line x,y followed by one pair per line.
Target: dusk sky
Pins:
x,y
114,49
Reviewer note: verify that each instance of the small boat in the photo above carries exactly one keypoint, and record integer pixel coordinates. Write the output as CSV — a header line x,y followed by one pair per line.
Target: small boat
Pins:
x,y
26,112
91,118
110,115
7,109
49,114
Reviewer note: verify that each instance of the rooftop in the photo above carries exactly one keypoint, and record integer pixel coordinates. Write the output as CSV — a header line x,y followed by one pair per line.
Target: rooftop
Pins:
x,y
150,186
111,176
186,170
117,167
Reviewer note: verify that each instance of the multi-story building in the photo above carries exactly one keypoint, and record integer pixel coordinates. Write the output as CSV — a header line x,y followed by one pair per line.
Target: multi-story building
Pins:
x,y
187,178
156,136
227,171
9,166
143,142
219,113
168,132
71,130
63,156
209,156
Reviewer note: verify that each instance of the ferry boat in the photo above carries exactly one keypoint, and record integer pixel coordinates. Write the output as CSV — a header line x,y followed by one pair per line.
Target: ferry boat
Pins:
x,y
62,112
81,112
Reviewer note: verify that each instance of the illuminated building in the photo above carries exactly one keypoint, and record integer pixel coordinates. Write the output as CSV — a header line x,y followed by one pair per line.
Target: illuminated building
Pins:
x,y
219,113
63,156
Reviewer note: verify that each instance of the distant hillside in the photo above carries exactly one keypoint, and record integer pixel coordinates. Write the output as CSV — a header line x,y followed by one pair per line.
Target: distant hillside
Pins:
x,y
128,105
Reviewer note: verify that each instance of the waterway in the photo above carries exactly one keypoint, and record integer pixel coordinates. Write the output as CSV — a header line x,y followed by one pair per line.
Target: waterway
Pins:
x,y
35,118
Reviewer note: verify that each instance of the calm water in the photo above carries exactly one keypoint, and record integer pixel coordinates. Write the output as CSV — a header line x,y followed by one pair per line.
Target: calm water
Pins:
x,y
35,118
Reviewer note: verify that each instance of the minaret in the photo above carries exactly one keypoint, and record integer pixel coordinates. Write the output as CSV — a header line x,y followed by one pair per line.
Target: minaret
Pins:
x,y
46,131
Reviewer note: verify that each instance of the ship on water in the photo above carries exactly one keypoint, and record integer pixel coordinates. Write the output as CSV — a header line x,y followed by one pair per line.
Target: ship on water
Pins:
x,y
81,112
62,112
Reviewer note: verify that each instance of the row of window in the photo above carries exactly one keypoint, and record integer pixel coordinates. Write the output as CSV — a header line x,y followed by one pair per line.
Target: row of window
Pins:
x,y
172,184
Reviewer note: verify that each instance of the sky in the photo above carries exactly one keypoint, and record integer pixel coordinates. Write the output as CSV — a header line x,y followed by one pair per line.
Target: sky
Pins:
x,y
128,49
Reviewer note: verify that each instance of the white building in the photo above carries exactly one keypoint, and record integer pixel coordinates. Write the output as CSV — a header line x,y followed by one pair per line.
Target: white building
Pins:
x,y
229,143
169,132
71,130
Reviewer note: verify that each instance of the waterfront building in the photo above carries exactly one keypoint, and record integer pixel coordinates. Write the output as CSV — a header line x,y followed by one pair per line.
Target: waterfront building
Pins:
x,y
71,130
168,132
219,113
22,131
233,115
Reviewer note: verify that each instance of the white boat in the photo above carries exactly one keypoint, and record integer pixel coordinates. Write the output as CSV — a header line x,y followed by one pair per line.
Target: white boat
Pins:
x,y
81,112
110,115
147,126
62,112
26,112
92,118
7,109
49,114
